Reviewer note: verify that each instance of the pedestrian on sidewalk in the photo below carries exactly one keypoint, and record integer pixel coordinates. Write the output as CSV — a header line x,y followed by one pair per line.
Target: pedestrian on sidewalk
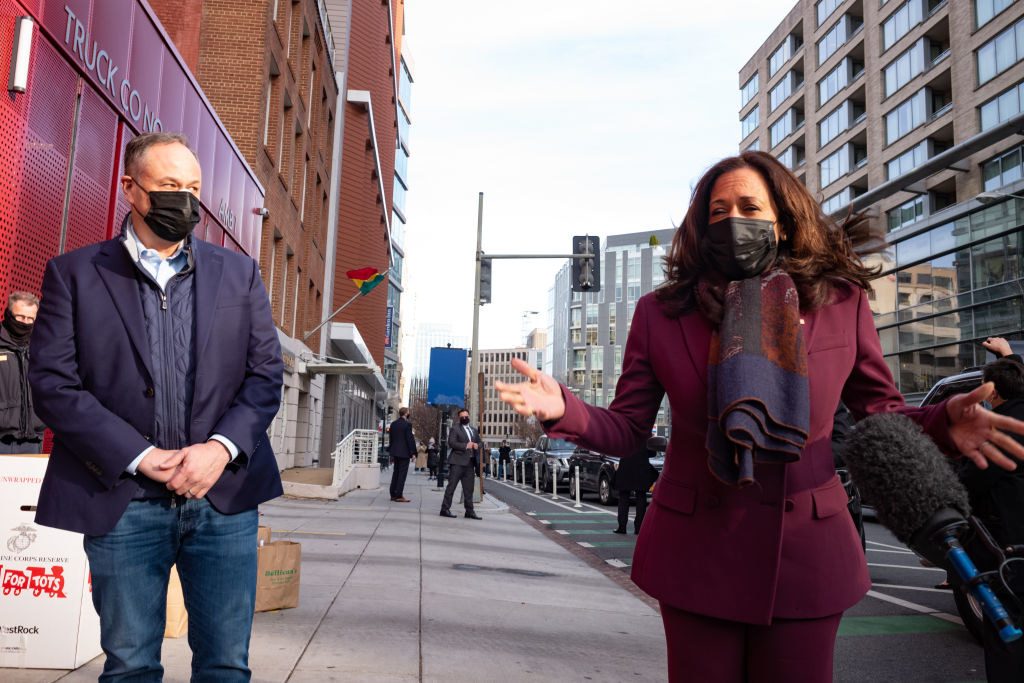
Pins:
x,y
421,457
403,448
634,477
504,456
463,460
156,363
762,325
433,458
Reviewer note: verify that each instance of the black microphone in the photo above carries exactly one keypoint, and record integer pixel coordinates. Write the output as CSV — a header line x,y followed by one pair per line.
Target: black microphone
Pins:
x,y
918,497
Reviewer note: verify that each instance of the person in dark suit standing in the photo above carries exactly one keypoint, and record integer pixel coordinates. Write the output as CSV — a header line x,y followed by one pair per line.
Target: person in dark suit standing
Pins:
x,y
403,447
156,363
465,445
633,477
762,326
504,458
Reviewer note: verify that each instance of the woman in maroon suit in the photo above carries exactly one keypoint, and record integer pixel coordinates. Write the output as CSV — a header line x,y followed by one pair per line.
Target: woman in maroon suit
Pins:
x,y
760,329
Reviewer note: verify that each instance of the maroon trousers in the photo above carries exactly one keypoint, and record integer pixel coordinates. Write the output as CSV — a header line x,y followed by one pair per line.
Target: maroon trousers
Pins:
x,y
713,650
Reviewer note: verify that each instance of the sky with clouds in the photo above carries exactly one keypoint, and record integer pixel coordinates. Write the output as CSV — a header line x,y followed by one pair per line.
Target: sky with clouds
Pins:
x,y
571,117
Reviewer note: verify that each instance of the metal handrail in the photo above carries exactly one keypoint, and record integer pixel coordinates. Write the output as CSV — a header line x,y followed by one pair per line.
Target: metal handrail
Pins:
x,y
359,447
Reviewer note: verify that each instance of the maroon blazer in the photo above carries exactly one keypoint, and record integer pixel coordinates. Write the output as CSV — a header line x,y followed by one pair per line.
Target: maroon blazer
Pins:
x,y
784,547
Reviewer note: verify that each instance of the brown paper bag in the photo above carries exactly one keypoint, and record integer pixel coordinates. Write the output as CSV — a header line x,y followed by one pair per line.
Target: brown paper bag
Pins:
x,y
277,581
177,617
263,535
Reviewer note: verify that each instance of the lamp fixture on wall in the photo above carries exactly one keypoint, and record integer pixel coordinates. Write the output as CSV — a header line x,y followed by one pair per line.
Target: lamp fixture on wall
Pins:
x,y
21,52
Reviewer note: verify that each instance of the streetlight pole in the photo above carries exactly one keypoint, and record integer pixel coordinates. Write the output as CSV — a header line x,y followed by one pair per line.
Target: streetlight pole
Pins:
x,y
474,366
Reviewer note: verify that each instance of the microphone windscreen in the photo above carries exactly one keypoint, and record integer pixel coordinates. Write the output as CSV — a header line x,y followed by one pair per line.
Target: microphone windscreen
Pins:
x,y
901,472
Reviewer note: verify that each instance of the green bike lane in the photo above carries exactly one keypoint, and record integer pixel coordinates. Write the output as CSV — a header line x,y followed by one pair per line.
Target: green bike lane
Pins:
x,y
903,630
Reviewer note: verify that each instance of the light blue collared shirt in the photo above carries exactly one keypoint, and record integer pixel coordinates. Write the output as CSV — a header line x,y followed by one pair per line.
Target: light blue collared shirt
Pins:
x,y
162,270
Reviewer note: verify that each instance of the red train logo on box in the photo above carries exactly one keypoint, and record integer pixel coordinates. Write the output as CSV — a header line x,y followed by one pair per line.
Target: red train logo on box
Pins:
x,y
34,579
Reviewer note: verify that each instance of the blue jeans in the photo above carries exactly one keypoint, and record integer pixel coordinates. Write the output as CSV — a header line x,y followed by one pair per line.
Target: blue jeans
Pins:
x,y
131,565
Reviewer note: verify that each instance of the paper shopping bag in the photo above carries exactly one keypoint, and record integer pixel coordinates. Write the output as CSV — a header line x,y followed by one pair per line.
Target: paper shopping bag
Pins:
x,y
177,617
277,582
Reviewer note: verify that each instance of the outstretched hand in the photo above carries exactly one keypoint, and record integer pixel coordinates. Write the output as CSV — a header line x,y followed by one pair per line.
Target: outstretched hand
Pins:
x,y
980,433
540,395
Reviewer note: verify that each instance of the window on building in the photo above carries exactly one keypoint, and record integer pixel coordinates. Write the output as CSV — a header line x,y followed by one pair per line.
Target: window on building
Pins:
x,y
837,79
837,36
748,90
1002,107
786,125
1000,53
900,22
838,201
905,67
906,213
786,87
907,116
749,123
825,8
789,46
793,157
1003,170
611,325
835,165
985,10
909,160
840,119
752,147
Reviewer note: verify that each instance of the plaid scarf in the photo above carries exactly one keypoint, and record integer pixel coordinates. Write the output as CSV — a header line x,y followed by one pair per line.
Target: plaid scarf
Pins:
x,y
758,397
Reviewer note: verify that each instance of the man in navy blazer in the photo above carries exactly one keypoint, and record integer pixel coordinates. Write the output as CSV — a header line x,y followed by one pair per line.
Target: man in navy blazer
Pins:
x,y
157,366
402,448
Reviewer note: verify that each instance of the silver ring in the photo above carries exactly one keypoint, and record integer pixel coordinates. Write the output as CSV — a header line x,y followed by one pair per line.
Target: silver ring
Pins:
x,y
193,495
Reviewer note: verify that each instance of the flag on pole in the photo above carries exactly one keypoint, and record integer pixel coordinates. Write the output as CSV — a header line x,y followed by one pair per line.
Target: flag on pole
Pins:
x,y
365,279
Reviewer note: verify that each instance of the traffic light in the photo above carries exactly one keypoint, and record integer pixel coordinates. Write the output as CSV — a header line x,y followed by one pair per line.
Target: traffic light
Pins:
x,y
586,272
485,280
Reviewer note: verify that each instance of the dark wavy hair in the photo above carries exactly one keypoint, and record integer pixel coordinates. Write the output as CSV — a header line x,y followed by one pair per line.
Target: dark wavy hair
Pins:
x,y
817,252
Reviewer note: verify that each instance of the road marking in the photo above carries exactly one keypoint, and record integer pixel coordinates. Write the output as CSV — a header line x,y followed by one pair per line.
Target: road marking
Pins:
x,y
579,532
914,588
886,550
907,566
575,521
567,506
617,563
563,514
886,545
544,521
562,531
607,544
585,544
915,607
894,624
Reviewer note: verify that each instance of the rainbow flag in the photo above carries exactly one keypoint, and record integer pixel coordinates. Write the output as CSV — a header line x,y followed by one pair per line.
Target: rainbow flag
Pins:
x,y
365,279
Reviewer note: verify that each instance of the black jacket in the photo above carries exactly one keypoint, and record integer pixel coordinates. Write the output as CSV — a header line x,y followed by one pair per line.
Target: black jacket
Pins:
x,y
403,444
17,418
997,495
635,472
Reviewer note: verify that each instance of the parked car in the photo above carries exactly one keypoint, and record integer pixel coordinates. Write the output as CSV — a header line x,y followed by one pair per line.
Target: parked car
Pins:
x,y
551,458
597,470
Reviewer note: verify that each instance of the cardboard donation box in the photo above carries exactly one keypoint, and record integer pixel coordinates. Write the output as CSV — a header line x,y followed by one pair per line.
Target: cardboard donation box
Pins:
x,y
47,620
277,581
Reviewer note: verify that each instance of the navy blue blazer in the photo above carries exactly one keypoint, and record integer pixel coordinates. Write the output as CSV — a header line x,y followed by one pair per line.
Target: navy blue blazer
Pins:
x,y
403,443
91,371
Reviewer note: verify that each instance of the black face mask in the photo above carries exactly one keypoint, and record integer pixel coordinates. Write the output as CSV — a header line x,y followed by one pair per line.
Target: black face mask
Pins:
x,y
464,420
172,215
20,332
740,248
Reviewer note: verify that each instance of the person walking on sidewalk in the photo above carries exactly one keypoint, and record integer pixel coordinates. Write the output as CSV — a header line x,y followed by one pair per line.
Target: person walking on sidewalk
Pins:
x,y
633,477
465,445
403,447
504,456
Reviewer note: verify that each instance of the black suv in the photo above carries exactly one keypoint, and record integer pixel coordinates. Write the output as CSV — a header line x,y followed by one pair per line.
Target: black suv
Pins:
x,y
597,471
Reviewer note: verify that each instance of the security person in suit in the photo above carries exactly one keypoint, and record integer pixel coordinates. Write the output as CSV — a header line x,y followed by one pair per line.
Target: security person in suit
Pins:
x,y
156,363
465,445
403,447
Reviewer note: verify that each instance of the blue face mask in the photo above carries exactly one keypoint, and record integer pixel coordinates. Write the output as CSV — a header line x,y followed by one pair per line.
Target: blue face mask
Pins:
x,y
740,248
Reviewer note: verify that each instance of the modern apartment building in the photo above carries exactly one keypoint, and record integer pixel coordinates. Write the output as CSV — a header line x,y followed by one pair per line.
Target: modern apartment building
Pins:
x,y
588,331
852,94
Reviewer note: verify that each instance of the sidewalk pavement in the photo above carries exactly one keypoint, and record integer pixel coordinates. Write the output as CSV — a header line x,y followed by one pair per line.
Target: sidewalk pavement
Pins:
x,y
394,592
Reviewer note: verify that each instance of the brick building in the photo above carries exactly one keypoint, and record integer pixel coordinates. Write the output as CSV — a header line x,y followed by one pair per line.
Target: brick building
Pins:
x,y
851,94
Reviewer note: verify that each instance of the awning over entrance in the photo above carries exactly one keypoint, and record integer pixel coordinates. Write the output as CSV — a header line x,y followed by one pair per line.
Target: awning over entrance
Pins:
x,y
350,356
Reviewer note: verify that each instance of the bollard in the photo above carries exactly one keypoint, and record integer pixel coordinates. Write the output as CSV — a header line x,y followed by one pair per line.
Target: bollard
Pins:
x,y
522,474
554,483
536,477
504,473
578,503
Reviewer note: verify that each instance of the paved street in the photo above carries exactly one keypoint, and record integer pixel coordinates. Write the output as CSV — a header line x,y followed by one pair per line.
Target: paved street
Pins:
x,y
903,630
